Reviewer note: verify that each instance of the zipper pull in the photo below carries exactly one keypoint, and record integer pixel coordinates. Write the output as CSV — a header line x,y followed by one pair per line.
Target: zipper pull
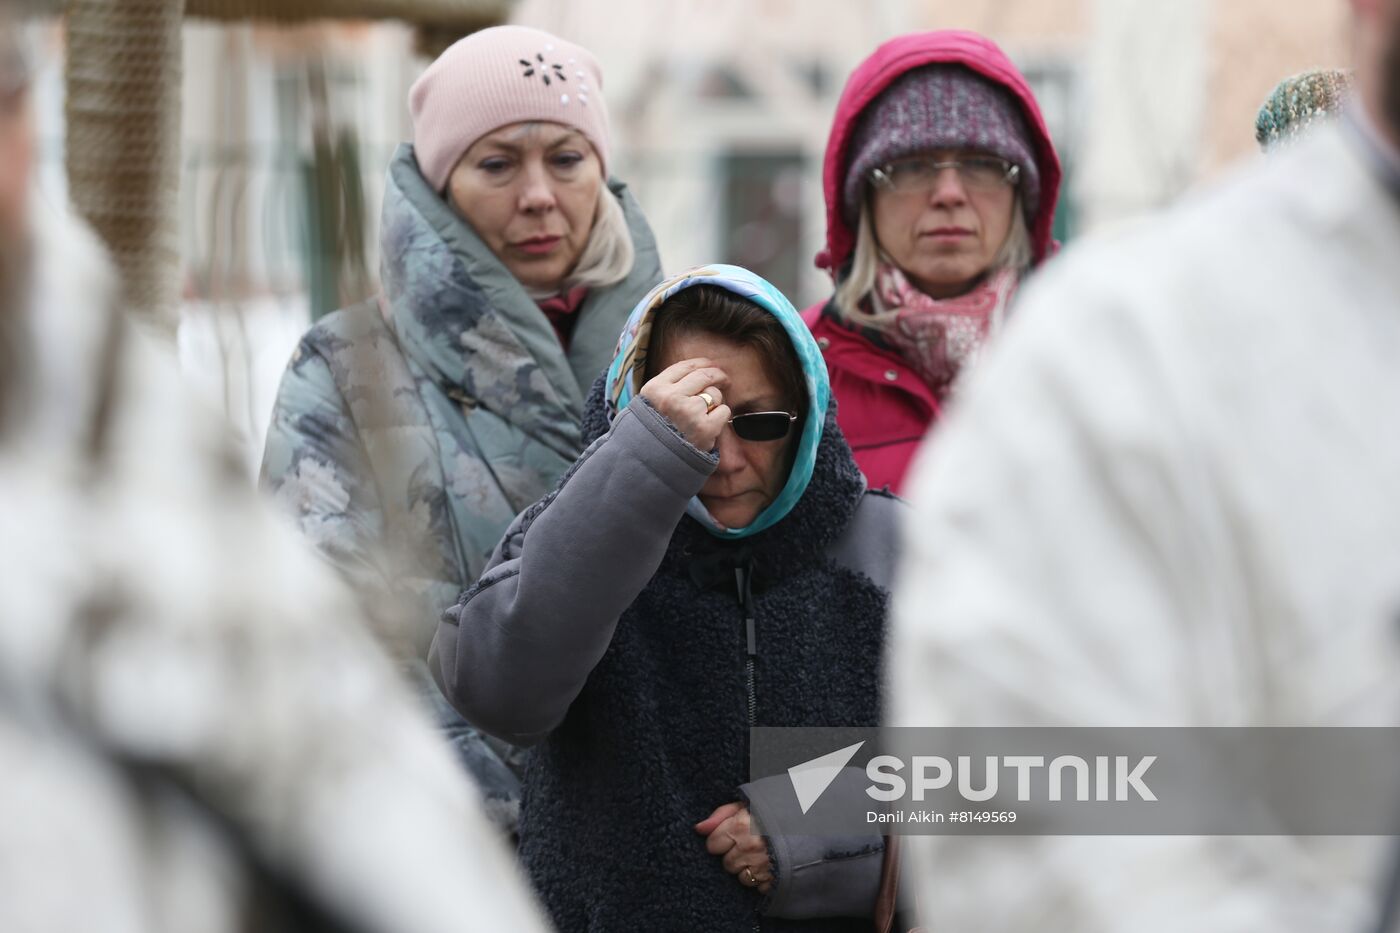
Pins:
x,y
742,579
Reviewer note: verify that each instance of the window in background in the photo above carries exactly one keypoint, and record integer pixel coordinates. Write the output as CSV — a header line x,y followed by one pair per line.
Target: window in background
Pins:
x,y
1056,87
761,225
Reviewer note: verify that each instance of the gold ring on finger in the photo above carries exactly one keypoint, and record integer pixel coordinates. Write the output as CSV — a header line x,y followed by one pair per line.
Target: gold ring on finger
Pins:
x,y
709,401
747,877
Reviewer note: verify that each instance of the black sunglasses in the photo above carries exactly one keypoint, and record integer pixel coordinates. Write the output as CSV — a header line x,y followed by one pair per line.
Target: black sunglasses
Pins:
x,y
762,425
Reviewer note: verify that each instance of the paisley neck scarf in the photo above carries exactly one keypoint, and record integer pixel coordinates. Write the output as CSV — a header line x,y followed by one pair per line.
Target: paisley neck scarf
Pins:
x,y
941,337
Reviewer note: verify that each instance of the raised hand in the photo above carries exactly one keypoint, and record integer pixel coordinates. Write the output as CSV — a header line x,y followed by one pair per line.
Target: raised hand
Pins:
x,y
679,391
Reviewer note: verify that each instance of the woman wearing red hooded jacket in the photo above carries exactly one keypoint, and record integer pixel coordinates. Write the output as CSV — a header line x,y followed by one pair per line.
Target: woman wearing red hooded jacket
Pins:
x,y
941,182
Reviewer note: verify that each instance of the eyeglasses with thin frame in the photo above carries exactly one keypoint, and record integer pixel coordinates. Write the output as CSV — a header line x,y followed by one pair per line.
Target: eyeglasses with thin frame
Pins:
x,y
762,425
976,172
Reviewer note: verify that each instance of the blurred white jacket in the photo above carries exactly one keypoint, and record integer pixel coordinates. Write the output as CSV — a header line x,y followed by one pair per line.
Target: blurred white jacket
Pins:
x,y
157,619
1172,497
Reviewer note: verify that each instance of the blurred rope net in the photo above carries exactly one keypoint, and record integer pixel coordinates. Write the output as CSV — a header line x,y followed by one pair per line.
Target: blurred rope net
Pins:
x,y
123,112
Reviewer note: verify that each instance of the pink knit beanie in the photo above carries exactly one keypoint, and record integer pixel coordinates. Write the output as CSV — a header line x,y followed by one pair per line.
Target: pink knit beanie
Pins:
x,y
499,76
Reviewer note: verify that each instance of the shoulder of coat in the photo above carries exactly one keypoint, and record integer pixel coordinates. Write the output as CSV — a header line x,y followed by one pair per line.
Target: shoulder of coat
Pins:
x,y
869,545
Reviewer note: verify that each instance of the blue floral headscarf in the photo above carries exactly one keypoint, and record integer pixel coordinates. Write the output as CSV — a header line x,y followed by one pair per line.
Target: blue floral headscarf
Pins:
x,y
625,378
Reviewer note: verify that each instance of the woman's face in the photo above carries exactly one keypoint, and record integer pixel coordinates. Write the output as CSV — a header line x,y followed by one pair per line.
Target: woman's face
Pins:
x,y
750,473
530,191
945,237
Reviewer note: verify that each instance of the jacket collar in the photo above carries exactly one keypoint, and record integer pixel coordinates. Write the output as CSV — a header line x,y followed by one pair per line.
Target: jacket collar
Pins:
x,y
850,352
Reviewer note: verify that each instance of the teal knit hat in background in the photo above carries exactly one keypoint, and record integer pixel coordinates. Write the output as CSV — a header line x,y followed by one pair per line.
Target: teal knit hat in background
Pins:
x,y
1298,102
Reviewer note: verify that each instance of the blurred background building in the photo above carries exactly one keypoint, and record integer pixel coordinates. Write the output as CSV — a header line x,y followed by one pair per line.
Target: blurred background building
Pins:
x,y
720,112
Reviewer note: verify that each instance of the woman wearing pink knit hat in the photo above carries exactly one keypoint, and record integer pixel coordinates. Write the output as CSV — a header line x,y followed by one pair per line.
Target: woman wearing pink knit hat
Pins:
x,y
410,429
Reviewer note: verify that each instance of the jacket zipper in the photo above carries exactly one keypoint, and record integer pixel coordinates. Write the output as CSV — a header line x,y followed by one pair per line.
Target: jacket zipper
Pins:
x,y
743,580
743,585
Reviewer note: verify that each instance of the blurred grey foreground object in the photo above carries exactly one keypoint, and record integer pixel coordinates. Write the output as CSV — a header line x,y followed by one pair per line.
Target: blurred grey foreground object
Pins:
x,y
194,731
1170,499
123,118
123,113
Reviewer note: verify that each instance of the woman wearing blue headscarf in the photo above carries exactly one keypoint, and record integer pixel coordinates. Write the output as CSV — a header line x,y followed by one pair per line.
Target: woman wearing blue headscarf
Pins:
x,y
712,562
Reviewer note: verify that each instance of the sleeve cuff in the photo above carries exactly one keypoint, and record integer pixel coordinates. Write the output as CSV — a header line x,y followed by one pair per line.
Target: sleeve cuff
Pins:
x,y
673,459
815,876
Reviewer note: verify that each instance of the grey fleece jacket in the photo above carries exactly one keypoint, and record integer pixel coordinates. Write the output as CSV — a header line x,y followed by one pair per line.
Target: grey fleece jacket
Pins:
x,y
520,646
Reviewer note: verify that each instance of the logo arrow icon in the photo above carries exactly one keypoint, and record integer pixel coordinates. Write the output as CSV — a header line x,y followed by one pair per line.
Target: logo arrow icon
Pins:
x,y
811,778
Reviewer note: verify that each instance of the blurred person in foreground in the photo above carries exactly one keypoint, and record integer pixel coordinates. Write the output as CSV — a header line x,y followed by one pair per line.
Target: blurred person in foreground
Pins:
x,y
197,732
713,562
1171,499
410,429
941,183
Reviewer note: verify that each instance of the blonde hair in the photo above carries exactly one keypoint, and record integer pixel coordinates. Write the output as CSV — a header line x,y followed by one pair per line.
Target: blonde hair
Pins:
x,y
859,284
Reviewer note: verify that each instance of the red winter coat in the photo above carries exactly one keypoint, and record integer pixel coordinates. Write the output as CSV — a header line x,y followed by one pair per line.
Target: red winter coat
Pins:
x,y
885,409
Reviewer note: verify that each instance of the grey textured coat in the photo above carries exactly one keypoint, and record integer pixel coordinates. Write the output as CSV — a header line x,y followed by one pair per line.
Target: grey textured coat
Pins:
x,y
608,629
